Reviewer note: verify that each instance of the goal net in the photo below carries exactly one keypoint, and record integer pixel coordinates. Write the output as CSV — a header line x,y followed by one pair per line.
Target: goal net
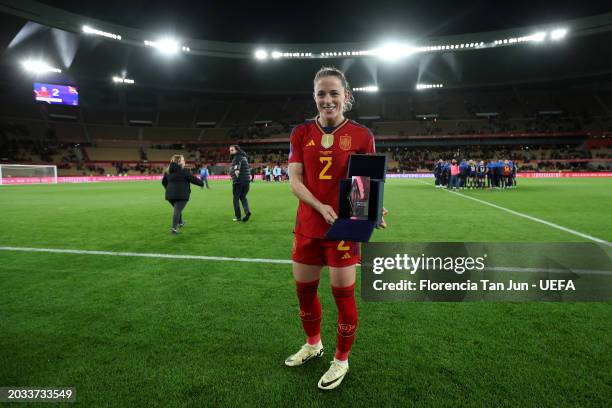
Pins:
x,y
27,174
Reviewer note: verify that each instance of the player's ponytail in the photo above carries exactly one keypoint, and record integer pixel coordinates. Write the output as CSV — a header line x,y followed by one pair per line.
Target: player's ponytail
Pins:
x,y
333,71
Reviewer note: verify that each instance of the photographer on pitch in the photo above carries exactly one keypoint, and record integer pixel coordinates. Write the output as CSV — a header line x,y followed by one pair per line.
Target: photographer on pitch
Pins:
x,y
176,182
241,179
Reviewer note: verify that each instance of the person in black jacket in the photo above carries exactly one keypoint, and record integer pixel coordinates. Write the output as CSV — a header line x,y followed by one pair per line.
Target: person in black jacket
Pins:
x,y
241,179
176,182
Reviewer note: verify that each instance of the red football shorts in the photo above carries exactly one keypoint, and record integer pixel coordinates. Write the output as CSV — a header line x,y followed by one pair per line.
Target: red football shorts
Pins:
x,y
316,251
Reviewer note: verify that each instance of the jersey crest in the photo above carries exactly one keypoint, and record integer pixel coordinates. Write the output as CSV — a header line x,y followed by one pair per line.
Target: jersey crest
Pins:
x,y
345,142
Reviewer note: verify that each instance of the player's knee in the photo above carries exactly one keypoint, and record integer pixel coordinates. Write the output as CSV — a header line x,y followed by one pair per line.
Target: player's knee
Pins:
x,y
307,288
344,292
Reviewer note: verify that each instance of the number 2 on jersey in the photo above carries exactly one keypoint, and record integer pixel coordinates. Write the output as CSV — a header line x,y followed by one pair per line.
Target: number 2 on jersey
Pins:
x,y
328,162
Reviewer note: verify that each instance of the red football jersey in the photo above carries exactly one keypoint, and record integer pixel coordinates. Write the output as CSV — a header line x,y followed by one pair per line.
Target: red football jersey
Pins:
x,y
325,161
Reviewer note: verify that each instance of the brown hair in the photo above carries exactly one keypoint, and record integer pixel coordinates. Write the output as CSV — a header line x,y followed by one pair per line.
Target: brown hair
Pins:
x,y
335,72
176,158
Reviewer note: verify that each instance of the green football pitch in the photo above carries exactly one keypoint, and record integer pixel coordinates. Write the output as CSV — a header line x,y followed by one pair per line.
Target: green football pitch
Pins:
x,y
138,331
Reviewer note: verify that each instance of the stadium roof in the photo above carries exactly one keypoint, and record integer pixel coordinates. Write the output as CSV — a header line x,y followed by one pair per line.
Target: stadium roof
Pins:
x,y
327,22
36,29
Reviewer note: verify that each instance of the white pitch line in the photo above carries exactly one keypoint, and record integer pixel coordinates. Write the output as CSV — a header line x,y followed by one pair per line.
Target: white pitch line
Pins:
x,y
146,255
529,217
273,261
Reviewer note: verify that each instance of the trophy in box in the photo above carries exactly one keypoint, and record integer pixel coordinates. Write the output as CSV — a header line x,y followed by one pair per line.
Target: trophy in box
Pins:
x,y
361,199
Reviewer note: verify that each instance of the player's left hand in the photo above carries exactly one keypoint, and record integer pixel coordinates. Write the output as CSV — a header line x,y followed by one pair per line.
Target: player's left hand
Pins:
x,y
383,224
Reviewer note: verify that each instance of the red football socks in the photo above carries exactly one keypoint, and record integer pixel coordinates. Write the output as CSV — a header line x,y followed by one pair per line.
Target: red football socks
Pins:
x,y
310,310
347,320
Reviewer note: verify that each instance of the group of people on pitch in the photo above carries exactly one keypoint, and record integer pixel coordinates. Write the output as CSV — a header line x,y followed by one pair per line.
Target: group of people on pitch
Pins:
x,y
499,174
177,182
318,160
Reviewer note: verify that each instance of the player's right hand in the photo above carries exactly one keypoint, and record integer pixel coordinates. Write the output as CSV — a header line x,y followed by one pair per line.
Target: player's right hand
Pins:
x,y
328,213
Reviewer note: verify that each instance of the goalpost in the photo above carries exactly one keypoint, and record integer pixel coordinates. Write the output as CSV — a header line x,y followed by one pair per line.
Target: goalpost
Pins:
x,y
27,174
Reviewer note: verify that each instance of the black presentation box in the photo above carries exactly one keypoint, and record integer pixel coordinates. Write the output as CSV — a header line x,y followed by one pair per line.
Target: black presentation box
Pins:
x,y
345,228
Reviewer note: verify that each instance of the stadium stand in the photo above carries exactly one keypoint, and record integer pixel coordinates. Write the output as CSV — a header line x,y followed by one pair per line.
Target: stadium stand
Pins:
x,y
508,116
105,132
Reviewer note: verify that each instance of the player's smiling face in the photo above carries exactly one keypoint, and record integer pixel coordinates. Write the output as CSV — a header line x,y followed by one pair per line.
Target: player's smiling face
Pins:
x,y
330,97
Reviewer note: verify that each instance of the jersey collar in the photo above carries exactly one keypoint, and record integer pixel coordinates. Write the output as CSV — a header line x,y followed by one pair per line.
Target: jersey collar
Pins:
x,y
344,122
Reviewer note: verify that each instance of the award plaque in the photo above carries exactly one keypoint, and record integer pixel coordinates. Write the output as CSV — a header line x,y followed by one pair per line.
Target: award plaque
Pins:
x,y
360,200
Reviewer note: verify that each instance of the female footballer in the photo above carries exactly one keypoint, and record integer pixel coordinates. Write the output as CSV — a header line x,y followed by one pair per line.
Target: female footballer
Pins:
x,y
318,160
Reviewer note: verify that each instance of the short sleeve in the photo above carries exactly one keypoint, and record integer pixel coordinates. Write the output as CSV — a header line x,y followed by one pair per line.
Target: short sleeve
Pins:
x,y
295,147
371,145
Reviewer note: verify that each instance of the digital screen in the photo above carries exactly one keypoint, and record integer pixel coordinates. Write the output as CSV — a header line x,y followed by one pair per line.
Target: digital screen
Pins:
x,y
56,94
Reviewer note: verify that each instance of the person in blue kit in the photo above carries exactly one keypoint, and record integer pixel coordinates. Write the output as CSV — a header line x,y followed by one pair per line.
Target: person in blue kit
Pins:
x,y
437,172
481,171
204,176
445,174
471,174
490,174
513,171
499,172
463,173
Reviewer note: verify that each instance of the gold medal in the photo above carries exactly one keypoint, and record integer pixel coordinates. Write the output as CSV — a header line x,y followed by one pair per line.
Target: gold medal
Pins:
x,y
327,140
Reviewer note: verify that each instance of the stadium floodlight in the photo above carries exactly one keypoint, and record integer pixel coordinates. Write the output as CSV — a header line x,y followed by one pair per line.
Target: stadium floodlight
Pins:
x,y
420,87
558,34
370,88
393,51
90,30
39,67
167,46
276,54
121,80
538,37
261,54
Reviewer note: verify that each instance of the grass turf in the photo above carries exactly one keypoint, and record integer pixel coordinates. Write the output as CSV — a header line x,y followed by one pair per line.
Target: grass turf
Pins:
x,y
164,332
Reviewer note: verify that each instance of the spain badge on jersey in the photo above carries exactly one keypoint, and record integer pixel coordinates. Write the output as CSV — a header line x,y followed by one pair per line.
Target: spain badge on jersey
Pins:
x,y
345,142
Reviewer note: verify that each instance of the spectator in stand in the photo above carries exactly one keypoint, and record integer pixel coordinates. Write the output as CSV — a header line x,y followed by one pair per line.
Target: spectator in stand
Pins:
x,y
176,181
